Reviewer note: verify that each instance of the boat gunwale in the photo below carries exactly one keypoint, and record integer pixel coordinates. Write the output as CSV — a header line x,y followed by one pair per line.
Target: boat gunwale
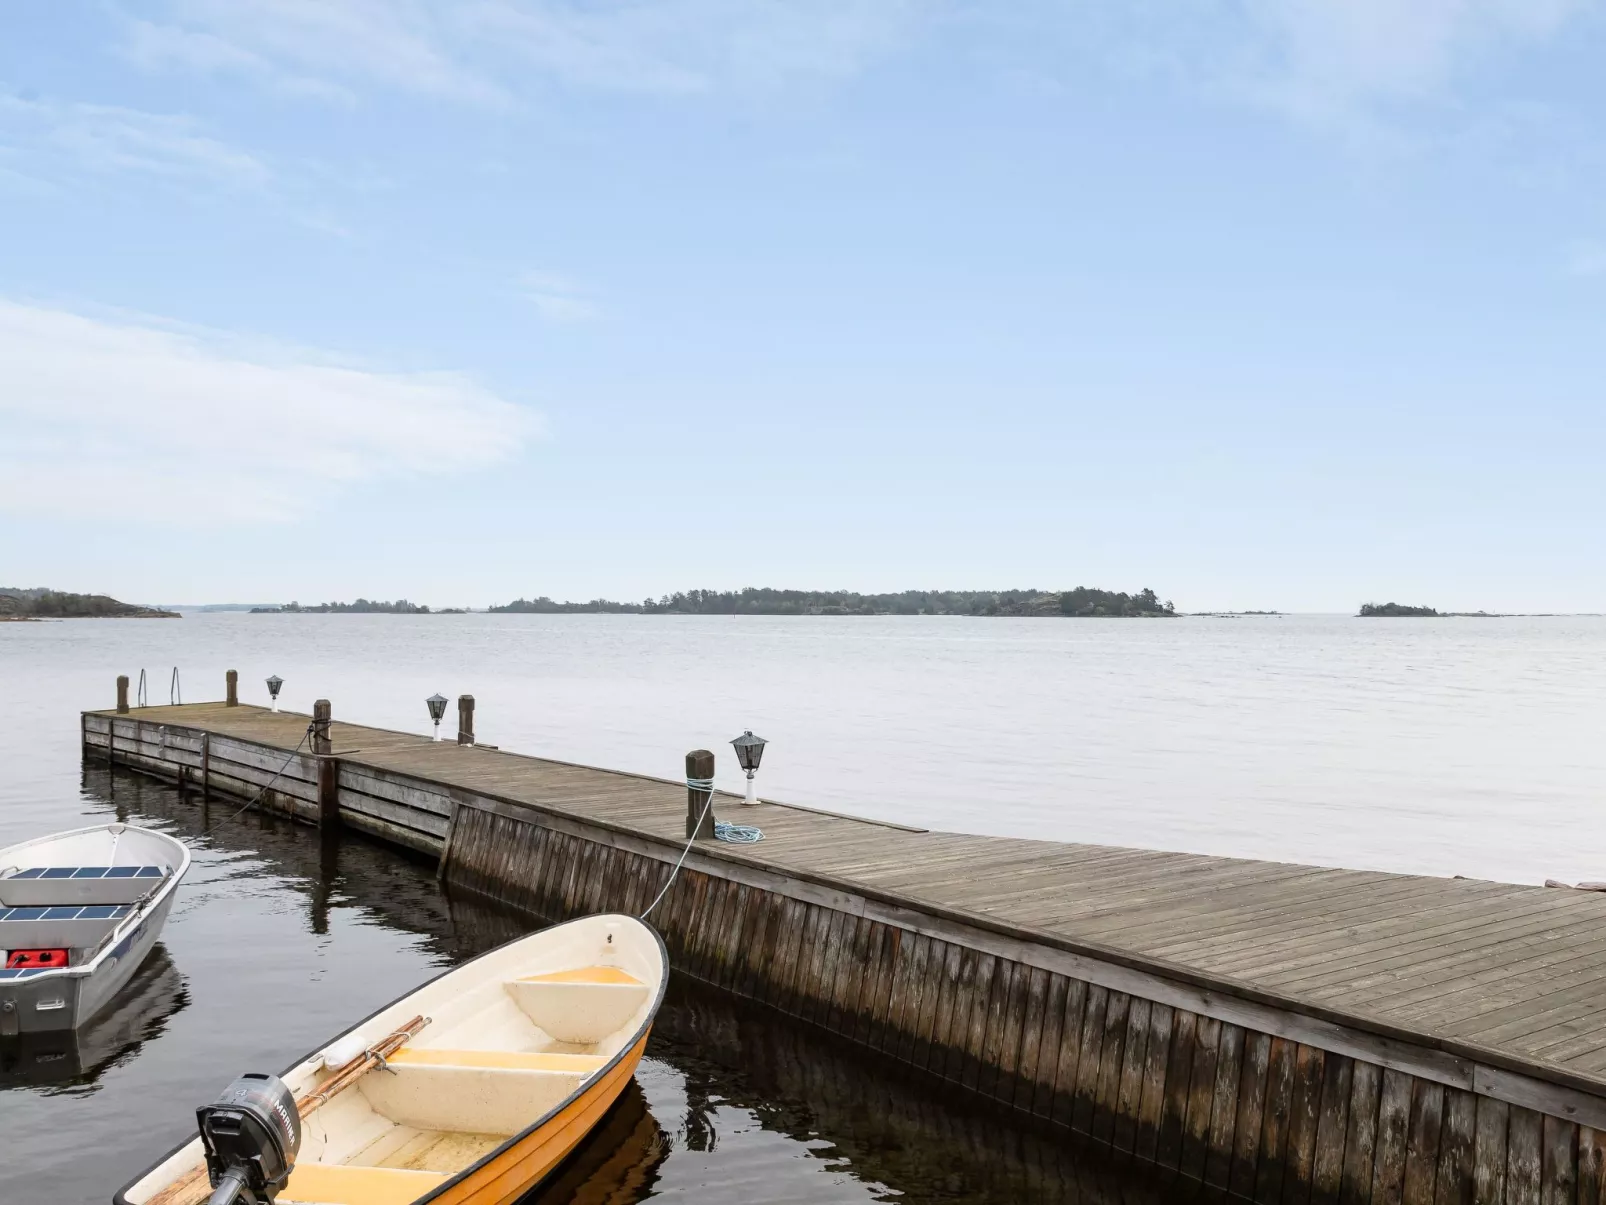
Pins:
x,y
641,1031
141,910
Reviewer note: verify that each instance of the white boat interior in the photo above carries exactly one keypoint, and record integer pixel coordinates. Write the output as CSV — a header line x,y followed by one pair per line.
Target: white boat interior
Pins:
x,y
512,1036
499,1053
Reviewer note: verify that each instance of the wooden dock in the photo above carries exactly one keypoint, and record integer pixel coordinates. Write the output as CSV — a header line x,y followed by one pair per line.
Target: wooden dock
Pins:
x,y
1288,1033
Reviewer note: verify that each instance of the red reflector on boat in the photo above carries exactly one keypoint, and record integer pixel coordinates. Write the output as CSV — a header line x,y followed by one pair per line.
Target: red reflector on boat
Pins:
x,y
36,958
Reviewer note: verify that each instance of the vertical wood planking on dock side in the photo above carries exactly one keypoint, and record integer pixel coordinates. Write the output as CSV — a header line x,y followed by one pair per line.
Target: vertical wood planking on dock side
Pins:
x,y
1423,1138
1112,1048
1524,1156
1236,1100
1274,1121
1054,1051
1129,1076
1457,1149
1591,1166
1251,1112
1559,1167
1332,1125
1201,1096
1393,1121
1360,1143
1304,1121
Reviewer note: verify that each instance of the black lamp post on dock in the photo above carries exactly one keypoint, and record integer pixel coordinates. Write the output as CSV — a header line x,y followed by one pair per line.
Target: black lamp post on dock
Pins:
x,y
437,710
749,752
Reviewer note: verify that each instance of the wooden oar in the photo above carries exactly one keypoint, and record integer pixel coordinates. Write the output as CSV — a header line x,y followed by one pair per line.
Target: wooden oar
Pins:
x,y
195,1186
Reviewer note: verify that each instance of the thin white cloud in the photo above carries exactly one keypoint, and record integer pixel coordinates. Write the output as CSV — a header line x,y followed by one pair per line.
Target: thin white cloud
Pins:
x,y
404,44
94,408
157,47
557,298
493,51
110,138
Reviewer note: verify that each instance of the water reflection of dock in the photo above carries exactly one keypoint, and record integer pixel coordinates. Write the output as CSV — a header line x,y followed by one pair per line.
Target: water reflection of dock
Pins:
x,y
879,1119
136,1015
1278,1031
401,892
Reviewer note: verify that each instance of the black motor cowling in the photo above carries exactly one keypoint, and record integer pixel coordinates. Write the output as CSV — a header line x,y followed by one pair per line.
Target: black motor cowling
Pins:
x,y
251,1134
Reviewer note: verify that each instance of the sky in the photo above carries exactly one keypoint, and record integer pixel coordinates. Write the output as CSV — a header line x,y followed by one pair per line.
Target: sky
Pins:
x,y
1261,303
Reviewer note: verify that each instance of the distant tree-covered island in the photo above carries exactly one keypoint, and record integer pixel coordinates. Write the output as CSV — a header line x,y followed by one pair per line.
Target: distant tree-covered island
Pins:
x,y
43,603
1082,602
362,606
1394,610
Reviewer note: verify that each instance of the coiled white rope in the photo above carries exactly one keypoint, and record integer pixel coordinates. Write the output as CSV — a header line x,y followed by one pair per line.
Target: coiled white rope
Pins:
x,y
737,834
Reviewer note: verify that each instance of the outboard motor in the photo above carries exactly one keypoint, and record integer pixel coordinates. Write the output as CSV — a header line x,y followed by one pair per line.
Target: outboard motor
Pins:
x,y
251,1133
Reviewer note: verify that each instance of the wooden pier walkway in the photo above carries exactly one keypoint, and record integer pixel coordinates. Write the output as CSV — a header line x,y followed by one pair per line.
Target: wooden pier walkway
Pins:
x,y
1287,1032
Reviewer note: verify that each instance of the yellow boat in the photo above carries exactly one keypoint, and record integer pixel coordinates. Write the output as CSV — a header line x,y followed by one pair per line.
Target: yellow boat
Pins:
x,y
473,1088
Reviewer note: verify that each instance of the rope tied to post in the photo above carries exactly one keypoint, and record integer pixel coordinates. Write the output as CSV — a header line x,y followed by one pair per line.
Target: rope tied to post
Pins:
x,y
736,834
312,729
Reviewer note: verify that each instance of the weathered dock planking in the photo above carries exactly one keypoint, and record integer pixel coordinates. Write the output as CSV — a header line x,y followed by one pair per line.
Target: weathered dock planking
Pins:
x,y
1286,1033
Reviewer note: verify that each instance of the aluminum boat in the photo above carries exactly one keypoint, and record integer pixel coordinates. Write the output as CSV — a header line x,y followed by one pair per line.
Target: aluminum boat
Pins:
x,y
79,912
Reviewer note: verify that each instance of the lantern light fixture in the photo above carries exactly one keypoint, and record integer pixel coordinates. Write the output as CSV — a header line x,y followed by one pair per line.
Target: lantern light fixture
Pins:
x,y
749,752
437,710
274,684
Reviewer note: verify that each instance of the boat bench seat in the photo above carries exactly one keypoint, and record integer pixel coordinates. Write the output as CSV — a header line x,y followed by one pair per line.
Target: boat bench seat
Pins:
x,y
503,1060
59,885
584,1005
475,1091
338,1184
71,926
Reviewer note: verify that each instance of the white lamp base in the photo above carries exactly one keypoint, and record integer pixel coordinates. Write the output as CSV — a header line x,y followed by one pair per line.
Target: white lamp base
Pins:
x,y
751,797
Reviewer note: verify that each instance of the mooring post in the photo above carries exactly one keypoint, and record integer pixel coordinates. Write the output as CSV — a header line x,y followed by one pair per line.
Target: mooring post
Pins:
x,y
122,694
231,697
328,767
700,800
465,719
321,743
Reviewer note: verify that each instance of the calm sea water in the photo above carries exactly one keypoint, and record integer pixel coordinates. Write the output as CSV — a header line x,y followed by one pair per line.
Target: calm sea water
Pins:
x,y
1452,746
1455,746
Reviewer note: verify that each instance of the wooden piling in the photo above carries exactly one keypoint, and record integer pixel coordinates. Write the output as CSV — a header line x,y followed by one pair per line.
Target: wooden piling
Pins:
x,y
328,768
699,803
465,719
231,688
322,745
122,694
